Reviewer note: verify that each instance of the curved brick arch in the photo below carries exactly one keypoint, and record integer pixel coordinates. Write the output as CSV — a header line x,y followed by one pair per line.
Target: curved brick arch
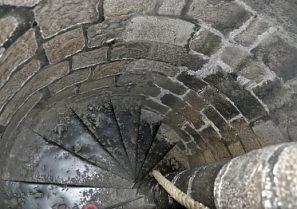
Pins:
x,y
224,87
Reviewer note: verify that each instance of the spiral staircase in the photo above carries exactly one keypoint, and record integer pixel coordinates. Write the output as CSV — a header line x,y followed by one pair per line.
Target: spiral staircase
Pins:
x,y
97,149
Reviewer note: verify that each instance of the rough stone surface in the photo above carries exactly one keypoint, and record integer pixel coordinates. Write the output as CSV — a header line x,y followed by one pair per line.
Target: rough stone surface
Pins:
x,y
247,104
17,81
128,7
222,15
268,132
273,93
64,45
70,80
215,144
171,7
166,83
279,56
39,81
236,149
55,16
130,50
241,184
234,56
256,28
191,81
109,69
98,84
159,29
89,58
8,25
172,101
195,100
101,33
206,43
248,138
23,3
22,50
220,102
255,71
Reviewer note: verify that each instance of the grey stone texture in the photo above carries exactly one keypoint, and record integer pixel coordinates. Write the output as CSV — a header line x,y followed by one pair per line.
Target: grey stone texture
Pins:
x,y
18,53
268,133
56,16
279,56
72,79
206,43
241,184
225,16
89,58
256,28
234,57
127,7
23,3
159,29
171,7
64,45
17,81
8,25
101,33
191,81
39,81
247,104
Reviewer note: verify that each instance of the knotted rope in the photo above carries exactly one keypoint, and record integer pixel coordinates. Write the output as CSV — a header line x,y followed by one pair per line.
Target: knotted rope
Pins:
x,y
176,193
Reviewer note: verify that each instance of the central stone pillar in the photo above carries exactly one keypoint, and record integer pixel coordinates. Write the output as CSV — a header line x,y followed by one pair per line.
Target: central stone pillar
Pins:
x,y
262,179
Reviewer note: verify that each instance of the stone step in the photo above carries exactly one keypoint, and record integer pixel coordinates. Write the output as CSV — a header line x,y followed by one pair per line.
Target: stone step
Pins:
x,y
148,128
97,114
164,141
48,196
66,129
127,112
32,159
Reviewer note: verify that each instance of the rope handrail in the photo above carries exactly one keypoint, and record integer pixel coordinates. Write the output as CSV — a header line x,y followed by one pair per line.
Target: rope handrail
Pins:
x,y
182,198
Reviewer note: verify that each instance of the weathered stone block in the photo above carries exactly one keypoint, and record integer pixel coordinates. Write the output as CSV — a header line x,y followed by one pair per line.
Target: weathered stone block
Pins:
x,y
171,7
17,81
177,55
172,101
100,33
166,83
109,69
279,56
256,28
64,45
236,149
214,143
193,116
154,105
191,81
127,7
131,50
255,71
8,25
39,81
89,58
19,52
219,101
235,56
195,100
55,16
225,129
69,80
98,84
248,138
222,15
273,93
20,3
159,29
247,104
142,65
206,43
268,133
